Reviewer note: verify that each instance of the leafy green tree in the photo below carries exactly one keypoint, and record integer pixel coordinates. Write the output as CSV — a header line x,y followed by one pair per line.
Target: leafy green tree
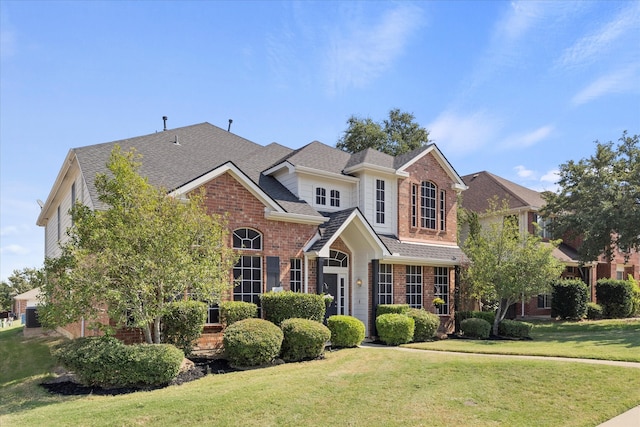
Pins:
x,y
507,265
396,135
599,200
19,282
145,250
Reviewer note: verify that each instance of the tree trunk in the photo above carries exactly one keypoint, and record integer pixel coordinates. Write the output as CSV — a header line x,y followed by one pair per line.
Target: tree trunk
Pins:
x,y
503,307
156,330
147,334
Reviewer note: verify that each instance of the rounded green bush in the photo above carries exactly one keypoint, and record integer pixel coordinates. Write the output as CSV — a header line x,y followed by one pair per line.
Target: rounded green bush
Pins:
x,y
252,342
395,329
107,362
346,331
426,324
280,306
594,311
303,339
475,328
183,322
234,311
514,329
392,308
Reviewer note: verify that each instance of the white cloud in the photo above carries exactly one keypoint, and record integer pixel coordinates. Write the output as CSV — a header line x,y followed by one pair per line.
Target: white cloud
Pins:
x,y
523,172
13,230
592,46
528,139
463,134
359,54
620,81
14,250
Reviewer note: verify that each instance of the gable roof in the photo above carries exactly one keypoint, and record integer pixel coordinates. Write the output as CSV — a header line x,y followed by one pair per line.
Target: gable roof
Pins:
x,y
484,186
408,252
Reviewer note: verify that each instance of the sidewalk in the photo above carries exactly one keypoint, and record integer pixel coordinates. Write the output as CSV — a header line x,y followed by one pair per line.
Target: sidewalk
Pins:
x,y
631,418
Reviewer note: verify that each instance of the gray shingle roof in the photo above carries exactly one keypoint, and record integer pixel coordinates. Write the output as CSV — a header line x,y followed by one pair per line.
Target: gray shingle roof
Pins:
x,y
483,186
329,228
319,156
371,156
445,254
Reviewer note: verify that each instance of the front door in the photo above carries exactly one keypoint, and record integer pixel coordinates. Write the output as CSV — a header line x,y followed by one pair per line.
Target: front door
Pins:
x,y
331,287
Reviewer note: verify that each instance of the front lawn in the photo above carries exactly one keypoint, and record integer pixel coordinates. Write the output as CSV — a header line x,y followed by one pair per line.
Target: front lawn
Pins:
x,y
604,339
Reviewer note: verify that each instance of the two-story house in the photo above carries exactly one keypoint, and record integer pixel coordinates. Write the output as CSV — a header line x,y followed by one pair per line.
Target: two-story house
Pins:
x,y
367,228
525,204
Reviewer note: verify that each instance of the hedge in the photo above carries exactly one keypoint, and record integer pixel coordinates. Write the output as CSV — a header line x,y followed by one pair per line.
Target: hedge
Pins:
x,y
514,329
183,322
107,362
615,297
234,311
569,299
395,329
426,324
280,306
594,311
346,331
252,342
459,316
392,308
475,328
303,339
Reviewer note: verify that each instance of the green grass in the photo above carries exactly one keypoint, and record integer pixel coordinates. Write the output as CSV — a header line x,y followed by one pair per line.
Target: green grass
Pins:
x,y
605,339
354,387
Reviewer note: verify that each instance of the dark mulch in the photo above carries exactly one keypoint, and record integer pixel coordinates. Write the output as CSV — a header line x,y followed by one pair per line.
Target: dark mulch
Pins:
x,y
65,385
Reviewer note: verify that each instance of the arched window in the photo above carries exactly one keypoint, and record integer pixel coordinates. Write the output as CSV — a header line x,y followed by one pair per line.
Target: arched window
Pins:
x,y
428,205
247,238
337,259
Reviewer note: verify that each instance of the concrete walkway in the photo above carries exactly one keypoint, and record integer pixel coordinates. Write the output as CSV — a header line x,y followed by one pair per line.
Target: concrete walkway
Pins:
x,y
631,418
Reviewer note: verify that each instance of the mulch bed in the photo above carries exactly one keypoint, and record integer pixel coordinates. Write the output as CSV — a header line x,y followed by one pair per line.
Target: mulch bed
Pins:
x,y
66,385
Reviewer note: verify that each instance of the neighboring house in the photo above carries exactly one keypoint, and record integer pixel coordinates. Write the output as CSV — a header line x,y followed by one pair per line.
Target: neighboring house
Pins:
x,y
25,300
525,204
367,228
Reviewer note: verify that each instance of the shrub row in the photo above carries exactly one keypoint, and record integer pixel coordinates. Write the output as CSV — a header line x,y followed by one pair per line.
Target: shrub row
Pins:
x,y
234,311
279,306
475,327
107,362
394,330
514,329
488,316
616,297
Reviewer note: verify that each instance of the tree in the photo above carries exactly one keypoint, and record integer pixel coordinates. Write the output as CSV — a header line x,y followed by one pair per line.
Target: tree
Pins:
x,y
599,200
396,135
142,252
506,265
19,282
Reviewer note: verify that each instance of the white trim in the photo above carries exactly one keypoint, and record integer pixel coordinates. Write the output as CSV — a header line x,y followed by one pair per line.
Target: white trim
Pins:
x,y
293,217
53,197
457,185
397,259
284,165
376,168
305,170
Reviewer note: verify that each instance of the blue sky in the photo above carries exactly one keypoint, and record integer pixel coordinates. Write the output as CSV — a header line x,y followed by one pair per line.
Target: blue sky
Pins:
x,y
514,88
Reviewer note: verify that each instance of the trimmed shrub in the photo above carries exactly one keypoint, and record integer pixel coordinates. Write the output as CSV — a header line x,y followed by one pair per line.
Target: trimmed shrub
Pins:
x,y
252,342
615,297
280,306
392,308
426,324
182,323
234,311
514,329
635,297
459,316
346,331
395,329
594,311
303,339
569,299
475,328
489,316
107,362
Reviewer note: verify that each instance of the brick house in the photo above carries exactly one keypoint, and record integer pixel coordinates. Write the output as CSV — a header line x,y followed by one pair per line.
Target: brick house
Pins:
x,y
367,228
525,204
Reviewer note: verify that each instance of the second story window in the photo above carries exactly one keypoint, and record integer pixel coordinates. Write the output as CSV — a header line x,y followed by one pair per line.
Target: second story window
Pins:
x,y
428,205
379,201
414,205
334,198
443,212
321,196
247,238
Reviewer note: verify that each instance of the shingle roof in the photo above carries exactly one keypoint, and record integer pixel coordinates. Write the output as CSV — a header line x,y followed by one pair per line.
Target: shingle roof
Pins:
x,y
484,186
446,254
370,156
200,149
319,156
329,228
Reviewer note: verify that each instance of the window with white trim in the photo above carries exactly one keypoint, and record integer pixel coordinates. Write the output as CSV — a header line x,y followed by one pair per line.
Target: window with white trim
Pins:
x,y
544,301
441,288
428,205
247,238
414,286
379,201
385,284
443,210
414,205
334,198
337,259
321,196
295,275
247,273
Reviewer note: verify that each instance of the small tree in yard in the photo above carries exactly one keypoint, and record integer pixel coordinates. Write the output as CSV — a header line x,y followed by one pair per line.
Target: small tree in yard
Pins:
x,y
507,265
143,251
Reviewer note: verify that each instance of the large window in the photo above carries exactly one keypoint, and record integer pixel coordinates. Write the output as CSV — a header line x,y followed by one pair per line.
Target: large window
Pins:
x,y
443,210
428,205
321,196
247,273
379,201
414,205
385,284
334,198
295,275
414,286
441,288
